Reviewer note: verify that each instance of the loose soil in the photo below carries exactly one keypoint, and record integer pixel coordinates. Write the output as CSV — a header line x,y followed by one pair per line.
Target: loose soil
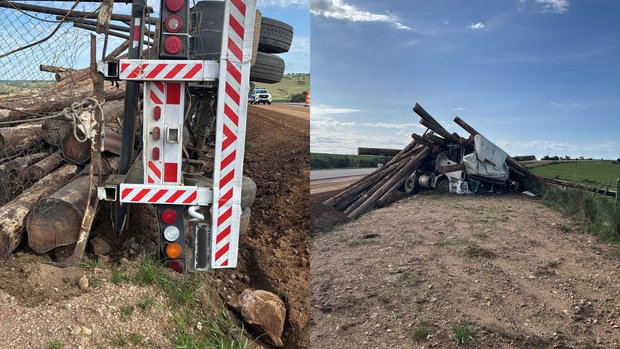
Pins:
x,y
40,303
498,271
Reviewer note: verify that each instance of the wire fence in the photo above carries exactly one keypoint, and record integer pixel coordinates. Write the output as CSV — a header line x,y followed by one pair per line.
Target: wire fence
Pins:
x,y
31,143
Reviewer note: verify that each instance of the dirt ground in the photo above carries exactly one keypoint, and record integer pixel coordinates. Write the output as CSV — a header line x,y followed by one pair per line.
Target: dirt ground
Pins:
x,y
495,271
40,303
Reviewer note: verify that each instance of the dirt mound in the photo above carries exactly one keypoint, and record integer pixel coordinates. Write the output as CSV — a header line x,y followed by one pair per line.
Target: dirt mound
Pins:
x,y
324,218
490,271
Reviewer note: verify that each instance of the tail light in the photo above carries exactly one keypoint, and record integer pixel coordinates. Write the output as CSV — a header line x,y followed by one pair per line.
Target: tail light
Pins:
x,y
173,250
169,216
175,31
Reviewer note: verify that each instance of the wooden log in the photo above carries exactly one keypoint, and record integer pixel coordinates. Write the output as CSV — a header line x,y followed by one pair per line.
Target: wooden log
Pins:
x,y
465,126
413,163
45,166
55,69
580,186
361,198
55,130
378,151
356,188
16,139
20,163
117,51
13,215
74,151
56,220
451,168
422,140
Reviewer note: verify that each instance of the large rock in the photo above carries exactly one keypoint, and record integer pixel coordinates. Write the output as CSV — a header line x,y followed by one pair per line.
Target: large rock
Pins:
x,y
248,192
244,221
264,312
100,246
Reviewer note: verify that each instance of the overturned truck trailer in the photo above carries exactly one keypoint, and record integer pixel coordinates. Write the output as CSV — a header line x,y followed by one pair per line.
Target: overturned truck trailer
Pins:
x,y
458,170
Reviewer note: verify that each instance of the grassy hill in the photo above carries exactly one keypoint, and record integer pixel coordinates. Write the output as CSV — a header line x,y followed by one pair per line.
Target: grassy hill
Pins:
x,y
587,172
291,84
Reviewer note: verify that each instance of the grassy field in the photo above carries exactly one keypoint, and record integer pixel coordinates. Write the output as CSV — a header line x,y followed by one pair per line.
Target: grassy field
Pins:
x,y
12,86
291,84
587,172
321,161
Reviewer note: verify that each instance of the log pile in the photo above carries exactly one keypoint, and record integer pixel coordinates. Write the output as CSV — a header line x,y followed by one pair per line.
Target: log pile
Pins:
x,y
377,188
43,184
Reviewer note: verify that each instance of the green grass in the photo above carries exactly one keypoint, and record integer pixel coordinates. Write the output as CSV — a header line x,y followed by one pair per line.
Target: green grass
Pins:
x,y
597,213
327,161
126,311
291,84
587,172
462,332
12,86
146,303
136,338
56,344
186,300
421,332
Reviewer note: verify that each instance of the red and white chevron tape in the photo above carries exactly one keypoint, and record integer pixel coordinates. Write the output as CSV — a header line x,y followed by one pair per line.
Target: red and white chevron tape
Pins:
x,y
153,172
159,194
229,175
161,70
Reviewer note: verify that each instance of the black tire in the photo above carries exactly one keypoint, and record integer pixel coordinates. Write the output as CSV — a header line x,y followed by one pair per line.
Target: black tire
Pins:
x,y
412,186
269,103
443,186
275,36
268,69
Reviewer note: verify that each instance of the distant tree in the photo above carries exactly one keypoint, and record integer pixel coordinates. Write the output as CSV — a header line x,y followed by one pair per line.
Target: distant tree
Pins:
x,y
566,157
299,98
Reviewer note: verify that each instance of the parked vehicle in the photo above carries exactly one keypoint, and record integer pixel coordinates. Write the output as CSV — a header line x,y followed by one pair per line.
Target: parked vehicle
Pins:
x,y
261,95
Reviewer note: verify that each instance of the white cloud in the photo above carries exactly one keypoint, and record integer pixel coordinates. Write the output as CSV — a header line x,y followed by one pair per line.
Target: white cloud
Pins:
x,y
552,147
446,21
458,109
330,135
282,3
301,44
555,6
338,9
476,26
320,110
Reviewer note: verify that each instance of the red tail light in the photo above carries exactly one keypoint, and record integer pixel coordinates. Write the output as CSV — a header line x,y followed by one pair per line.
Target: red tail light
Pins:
x,y
172,45
174,5
173,24
175,265
155,156
169,216
157,113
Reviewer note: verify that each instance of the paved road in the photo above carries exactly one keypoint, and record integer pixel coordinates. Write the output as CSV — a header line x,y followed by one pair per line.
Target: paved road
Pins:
x,y
345,172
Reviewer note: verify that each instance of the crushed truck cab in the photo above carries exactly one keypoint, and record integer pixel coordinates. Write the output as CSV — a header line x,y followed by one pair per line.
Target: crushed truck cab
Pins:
x,y
458,171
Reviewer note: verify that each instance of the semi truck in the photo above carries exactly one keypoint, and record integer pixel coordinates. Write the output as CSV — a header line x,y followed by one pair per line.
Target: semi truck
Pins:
x,y
193,121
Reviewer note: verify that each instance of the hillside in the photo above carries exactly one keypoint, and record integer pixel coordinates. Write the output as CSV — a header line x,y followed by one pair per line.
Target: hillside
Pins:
x,y
291,84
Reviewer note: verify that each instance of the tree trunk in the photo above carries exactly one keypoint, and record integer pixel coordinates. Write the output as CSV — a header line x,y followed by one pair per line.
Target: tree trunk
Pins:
x,y
45,166
16,139
19,164
74,151
13,215
56,220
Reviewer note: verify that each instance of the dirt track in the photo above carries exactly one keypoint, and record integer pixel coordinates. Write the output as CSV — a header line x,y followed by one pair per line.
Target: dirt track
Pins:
x,y
40,302
518,274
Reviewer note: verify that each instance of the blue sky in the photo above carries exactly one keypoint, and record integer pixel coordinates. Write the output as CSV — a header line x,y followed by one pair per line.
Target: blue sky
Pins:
x,y
534,76
17,29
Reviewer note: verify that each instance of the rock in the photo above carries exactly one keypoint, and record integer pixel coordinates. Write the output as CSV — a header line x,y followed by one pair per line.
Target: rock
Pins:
x,y
83,283
103,259
86,331
248,192
244,221
263,311
100,246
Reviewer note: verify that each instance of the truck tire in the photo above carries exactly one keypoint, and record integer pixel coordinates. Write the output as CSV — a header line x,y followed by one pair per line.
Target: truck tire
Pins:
x,y
443,186
268,69
275,36
412,186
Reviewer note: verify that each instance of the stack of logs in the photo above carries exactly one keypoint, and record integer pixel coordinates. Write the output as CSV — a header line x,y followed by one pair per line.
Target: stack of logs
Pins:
x,y
43,174
377,188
